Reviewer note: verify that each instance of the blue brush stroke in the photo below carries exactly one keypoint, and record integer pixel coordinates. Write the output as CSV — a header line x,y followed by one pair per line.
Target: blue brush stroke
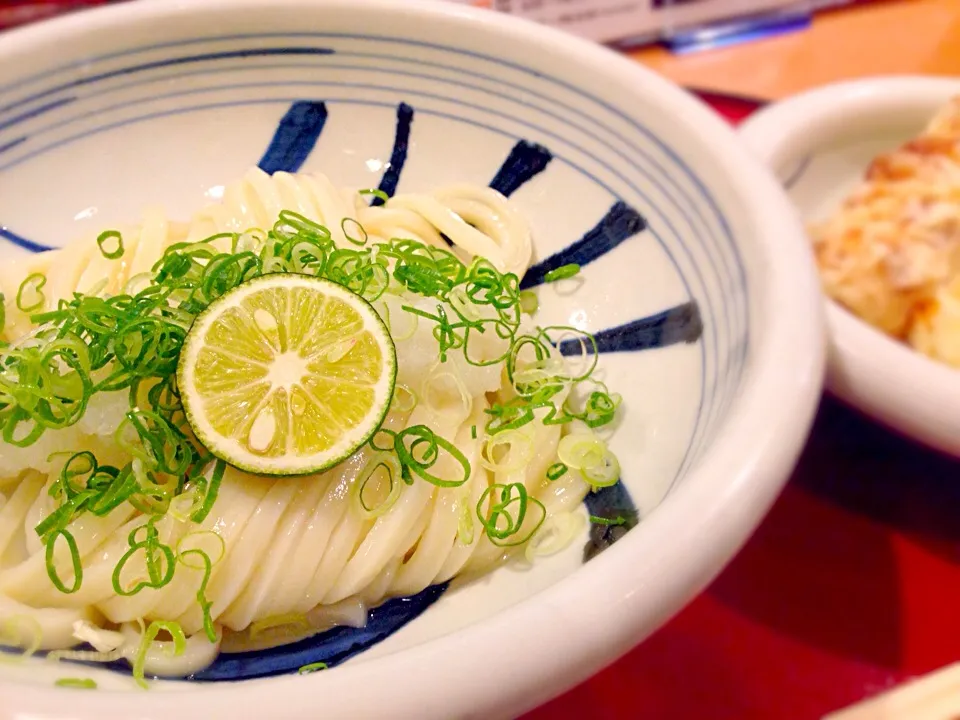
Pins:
x,y
34,112
619,224
332,647
21,241
525,161
295,137
680,324
401,141
12,144
169,62
610,503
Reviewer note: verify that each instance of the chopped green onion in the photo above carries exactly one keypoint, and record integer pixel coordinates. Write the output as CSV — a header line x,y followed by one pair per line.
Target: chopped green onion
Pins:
x,y
78,683
508,514
292,226
605,474
510,417
562,273
72,479
529,304
514,447
106,237
601,409
117,488
376,193
619,520
361,235
473,432
210,491
159,559
588,454
555,534
404,399
197,535
11,634
588,347
391,440
526,351
465,531
383,467
74,558
149,635
32,283
205,604
423,452
555,471
312,668
438,383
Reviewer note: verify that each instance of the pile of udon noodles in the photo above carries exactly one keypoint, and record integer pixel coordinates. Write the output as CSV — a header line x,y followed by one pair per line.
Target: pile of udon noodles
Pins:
x,y
291,558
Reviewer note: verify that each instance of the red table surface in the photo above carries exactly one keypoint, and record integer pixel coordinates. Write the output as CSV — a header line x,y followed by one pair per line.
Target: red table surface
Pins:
x,y
848,587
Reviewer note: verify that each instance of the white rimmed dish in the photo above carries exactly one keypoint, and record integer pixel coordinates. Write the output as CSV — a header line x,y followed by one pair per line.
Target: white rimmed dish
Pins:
x,y
163,102
818,144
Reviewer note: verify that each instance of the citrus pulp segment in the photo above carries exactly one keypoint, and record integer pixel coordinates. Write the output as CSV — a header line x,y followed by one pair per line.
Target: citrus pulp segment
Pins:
x,y
286,374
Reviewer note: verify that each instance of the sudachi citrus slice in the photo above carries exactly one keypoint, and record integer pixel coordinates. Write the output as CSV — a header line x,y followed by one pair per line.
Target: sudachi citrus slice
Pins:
x,y
286,374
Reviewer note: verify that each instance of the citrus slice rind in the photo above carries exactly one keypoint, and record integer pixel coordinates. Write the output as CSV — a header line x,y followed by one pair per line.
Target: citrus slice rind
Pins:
x,y
286,374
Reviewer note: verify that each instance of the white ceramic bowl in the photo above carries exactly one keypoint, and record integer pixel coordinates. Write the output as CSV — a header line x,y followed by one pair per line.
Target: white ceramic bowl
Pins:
x,y
819,143
164,102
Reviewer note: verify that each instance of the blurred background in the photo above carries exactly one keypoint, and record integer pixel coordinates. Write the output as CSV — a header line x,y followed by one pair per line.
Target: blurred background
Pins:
x,y
764,49
851,585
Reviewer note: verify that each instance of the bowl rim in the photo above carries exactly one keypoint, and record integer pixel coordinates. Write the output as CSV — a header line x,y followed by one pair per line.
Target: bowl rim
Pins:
x,y
610,603
884,378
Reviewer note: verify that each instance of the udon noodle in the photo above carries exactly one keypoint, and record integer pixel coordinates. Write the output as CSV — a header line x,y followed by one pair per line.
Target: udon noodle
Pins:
x,y
279,559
